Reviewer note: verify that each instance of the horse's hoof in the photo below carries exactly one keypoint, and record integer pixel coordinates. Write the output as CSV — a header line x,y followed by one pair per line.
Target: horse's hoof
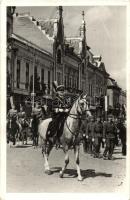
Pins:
x,y
80,178
61,174
48,172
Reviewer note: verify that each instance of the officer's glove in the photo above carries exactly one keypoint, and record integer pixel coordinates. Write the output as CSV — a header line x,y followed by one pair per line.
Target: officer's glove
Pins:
x,y
103,139
66,110
60,110
92,139
86,136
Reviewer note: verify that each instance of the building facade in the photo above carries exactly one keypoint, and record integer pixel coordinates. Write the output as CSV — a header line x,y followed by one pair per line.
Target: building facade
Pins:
x,y
41,53
113,94
10,11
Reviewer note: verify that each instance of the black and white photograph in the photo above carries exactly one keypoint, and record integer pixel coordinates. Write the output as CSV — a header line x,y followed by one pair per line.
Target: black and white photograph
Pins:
x,y
66,99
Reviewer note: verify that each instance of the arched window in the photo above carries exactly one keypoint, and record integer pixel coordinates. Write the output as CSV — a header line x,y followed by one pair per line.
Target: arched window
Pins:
x,y
59,56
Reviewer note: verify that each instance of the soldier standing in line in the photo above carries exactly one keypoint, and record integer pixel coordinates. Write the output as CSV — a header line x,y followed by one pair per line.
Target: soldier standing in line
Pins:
x,y
89,133
109,135
121,125
97,137
12,124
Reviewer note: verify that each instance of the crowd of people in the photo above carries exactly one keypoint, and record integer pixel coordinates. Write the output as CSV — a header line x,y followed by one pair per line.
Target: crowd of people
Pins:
x,y
95,132
106,134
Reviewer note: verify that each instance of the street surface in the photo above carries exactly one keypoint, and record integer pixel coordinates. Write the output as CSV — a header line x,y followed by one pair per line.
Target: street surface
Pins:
x,y
25,172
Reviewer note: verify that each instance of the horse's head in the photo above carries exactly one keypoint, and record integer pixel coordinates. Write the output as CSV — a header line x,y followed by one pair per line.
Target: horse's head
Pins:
x,y
82,105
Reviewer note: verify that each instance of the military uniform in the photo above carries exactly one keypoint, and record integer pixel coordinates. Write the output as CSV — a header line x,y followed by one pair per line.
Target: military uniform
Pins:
x,y
12,114
109,133
60,111
122,136
97,135
89,134
21,116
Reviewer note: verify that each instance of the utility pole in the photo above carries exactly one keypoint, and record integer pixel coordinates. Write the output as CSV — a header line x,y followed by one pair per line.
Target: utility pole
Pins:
x,y
106,109
33,91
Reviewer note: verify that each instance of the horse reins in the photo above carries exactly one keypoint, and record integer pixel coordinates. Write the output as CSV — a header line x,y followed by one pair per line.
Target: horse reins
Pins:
x,y
80,118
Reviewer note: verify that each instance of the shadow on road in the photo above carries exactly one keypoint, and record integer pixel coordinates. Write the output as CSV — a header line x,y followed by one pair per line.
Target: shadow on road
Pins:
x,y
89,173
23,146
121,158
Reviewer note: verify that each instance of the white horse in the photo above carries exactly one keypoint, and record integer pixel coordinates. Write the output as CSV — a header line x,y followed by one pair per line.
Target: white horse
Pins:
x,y
69,137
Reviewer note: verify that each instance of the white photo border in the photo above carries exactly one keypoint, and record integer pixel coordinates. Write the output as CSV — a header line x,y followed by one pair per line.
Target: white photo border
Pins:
x,y
22,196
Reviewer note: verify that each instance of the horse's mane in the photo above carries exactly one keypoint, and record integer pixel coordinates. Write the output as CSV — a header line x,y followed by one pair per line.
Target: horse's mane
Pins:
x,y
75,103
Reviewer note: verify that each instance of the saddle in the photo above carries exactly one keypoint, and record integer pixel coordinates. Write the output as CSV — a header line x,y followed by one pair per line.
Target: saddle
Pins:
x,y
55,128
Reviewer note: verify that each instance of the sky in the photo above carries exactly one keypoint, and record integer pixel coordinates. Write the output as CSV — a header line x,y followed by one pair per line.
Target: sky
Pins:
x,y
105,32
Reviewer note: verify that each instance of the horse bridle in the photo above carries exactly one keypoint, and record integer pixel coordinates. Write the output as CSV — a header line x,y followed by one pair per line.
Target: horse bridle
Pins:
x,y
79,114
80,118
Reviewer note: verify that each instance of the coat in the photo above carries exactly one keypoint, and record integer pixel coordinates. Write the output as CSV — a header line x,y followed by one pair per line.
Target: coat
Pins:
x,y
109,130
98,129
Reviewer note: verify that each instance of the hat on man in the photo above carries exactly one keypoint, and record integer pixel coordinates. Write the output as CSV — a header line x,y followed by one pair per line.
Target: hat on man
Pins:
x,y
60,88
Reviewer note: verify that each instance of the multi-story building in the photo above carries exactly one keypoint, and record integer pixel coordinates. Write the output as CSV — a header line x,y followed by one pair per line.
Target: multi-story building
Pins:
x,y
10,11
93,75
113,93
41,54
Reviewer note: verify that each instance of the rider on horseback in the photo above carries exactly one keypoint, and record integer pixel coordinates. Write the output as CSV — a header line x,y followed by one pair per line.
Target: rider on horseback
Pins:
x,y
21,115
22,118
12,114
60,110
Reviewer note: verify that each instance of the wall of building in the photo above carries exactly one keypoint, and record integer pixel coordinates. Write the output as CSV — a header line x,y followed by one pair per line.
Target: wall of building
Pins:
x,y
110,97
26,55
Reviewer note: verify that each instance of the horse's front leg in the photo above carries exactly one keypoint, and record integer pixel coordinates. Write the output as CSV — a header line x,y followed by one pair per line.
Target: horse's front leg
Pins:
x,y
46,149
76,151
66,162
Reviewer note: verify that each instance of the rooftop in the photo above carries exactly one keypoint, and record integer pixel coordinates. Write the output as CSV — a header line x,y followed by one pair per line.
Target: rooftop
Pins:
x,y
29,29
